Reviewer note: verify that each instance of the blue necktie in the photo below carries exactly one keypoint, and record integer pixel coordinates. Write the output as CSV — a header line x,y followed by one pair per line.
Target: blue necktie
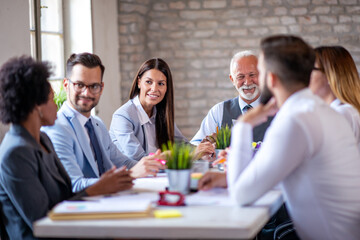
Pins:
x,y
96,146
246,108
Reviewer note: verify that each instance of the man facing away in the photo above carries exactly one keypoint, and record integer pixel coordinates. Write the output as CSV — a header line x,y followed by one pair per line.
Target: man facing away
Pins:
x,y
309,149
244,77
82,141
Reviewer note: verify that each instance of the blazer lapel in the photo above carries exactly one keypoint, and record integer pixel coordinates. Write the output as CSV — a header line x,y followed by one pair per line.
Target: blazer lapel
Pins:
x,y
82,139
100,134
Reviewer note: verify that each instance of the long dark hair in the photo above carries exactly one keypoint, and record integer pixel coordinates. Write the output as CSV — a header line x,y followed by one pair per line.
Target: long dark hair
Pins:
x,y
165,109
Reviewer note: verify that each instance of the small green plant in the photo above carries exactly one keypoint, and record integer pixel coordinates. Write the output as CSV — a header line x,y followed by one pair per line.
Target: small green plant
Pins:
x,y
178,155
60,97
223,137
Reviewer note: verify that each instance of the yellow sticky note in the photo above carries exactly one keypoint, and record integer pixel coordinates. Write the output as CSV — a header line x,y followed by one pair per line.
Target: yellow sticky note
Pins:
x,y
196,175
167,213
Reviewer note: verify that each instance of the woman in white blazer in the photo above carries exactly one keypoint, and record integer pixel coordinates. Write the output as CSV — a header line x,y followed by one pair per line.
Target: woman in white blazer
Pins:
x,y
146,121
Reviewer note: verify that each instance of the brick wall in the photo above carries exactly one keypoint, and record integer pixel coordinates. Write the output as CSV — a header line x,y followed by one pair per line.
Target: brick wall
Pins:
x,y
197,38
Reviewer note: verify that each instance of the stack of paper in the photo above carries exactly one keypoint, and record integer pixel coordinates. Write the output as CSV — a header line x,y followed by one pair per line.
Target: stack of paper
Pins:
x,y
121,206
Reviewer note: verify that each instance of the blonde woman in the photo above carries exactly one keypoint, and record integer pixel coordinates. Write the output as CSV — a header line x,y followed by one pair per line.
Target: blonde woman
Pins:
x,y
336,80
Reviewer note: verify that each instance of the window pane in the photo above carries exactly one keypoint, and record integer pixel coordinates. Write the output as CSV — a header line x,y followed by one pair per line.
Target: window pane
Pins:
x,y
33,44
56,85
32,14
51,15
52,51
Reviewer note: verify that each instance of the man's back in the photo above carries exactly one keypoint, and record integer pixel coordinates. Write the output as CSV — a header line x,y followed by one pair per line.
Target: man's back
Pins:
x,y
311,151
327,182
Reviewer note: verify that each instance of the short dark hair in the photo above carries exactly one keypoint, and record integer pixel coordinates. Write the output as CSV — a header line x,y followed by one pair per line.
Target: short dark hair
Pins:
x,y
290,58
23,85
165,109
88,60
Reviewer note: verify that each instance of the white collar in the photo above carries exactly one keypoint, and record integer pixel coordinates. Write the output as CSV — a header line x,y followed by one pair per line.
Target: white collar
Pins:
x,y
242,103
335,103
81,118
143,117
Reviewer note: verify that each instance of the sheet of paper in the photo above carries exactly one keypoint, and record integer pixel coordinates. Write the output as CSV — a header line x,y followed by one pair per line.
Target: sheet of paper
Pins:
x,y
216,196
134,202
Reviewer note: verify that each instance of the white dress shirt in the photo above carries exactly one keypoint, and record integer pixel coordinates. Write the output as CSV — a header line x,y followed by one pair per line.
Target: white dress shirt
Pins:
x,y
149,125
351,114
214,119
311,151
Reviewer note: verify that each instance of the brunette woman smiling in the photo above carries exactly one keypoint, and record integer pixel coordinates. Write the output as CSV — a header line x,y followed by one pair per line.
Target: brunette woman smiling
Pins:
x,y
146,121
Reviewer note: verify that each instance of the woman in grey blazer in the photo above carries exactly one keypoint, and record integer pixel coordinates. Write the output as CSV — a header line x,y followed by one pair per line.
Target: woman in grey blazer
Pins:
x,y
32,179
146,121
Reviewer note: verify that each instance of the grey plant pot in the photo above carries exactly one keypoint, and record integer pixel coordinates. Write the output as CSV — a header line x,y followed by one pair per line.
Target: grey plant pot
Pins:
x,y
179,180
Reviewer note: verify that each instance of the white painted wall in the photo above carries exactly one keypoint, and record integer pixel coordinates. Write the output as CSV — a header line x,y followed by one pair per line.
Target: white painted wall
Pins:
x,y
14,28
105,44
14,34
92,26
77,27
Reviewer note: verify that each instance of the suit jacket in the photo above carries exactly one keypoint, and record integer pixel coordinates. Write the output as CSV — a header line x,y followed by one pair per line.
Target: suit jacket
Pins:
x,y
128,134
32,181
74,150
232,112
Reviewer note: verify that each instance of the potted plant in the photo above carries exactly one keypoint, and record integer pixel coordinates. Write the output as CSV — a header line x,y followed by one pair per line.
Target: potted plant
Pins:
x,y
222,138
60,97
179,159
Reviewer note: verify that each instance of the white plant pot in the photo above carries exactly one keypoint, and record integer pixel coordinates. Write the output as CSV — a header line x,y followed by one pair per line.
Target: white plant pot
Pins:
x,y
179,180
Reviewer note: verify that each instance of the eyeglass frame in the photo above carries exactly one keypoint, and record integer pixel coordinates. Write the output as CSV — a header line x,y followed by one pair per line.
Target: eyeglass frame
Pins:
x,y
90,87
318,69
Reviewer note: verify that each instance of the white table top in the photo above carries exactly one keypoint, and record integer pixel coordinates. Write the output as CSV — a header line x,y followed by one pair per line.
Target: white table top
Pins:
x,y
198,221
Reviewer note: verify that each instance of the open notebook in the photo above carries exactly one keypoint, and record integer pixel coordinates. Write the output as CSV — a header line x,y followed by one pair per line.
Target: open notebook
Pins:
x,y
117,206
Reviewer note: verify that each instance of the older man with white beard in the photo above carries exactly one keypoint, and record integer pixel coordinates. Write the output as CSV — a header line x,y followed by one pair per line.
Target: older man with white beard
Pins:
x,y
244,77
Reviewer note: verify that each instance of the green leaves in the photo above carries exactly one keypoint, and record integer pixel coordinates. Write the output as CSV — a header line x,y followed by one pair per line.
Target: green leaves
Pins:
x,y
60,97
178,155
223,137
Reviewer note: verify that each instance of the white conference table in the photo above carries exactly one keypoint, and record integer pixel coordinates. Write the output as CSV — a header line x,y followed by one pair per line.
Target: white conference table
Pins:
x,y
208,221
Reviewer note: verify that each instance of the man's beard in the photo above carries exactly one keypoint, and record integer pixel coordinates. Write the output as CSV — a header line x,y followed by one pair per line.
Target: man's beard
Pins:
x,y
266,94
84,108
248,96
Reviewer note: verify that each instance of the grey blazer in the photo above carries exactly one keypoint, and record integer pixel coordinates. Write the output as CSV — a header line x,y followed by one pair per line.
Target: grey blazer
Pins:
x,y
32,181
128,134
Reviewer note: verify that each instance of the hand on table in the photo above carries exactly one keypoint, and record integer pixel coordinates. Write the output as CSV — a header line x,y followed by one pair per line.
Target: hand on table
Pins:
x,y
148,165
221,158
112,181
205,149
212,180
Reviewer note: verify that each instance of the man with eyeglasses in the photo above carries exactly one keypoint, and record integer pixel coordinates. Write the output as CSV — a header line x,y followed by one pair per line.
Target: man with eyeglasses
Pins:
x,y
82,141
244,77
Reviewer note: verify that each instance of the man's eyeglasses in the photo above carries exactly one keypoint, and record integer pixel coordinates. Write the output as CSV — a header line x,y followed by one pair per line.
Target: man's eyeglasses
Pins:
x,y
80,87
